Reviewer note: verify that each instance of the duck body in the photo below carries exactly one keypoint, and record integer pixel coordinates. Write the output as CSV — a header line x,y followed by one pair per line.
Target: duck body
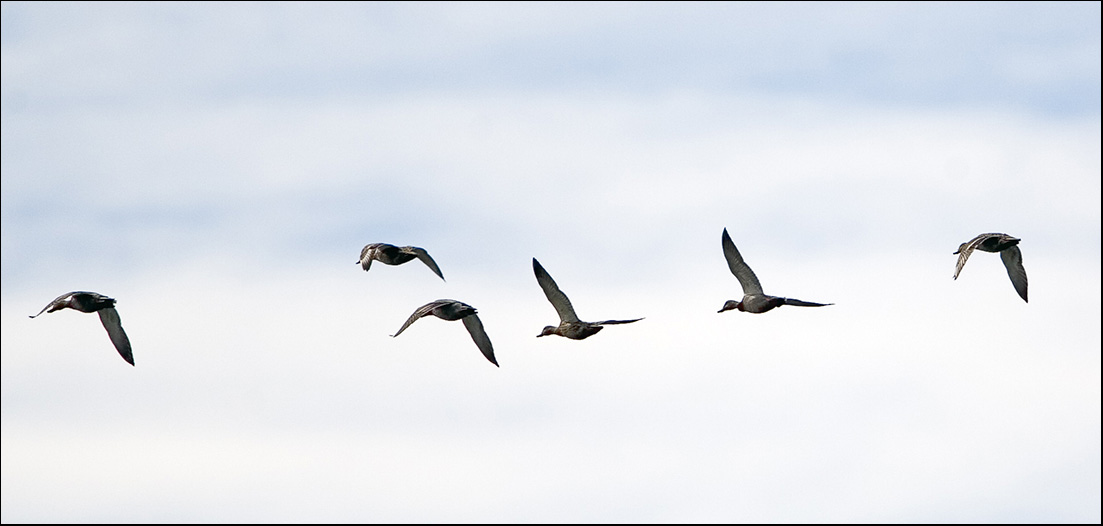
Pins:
x,y
759,303
79,301
450,310
579,330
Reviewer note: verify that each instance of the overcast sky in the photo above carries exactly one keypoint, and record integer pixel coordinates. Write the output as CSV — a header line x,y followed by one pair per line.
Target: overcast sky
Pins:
x,y
217,168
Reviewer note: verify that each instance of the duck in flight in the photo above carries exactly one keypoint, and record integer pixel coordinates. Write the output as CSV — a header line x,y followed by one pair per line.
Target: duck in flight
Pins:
x,y
569,324
93,302
1007,246
753,298
392,255
453,310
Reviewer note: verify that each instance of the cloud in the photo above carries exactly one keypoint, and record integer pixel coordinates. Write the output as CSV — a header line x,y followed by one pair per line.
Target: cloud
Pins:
x,y
262,183
965,56
217,171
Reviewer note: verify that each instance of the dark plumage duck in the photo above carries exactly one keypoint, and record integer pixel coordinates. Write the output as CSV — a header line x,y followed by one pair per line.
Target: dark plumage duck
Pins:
x,y
1007,246
93,302
753,298
569,324
392,255
453,310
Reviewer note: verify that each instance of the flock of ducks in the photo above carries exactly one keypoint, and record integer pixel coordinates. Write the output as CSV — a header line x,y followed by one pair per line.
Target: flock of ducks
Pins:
x,y
754,300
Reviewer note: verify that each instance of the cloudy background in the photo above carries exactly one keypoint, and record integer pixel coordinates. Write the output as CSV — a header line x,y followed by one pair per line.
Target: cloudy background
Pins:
x,y
217,168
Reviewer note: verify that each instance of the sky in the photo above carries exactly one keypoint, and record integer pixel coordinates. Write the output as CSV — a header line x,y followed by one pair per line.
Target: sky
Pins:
x,y
217,168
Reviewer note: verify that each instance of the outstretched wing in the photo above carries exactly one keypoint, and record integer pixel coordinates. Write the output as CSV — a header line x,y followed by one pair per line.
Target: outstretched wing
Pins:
x,y
475,327
1013,260
52,303
799,303
965,250
738,267
616,322
110,319
366,256
555,296
425,258
420,312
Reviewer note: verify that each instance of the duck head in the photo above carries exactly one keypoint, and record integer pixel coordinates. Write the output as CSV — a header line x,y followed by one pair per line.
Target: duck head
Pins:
x,y
731,304
549,330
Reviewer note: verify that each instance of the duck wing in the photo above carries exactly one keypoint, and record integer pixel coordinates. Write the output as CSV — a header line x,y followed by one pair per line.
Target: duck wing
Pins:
x,y
421,311
366,255
965,250
555,296
475,328
52,303
616,322
739,268
1013,260
110,319
426,258
799,303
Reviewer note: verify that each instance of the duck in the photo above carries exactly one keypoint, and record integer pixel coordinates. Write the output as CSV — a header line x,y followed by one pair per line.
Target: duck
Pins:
x,y
393,255
569,324
94,302
753,299
1007,246
452,310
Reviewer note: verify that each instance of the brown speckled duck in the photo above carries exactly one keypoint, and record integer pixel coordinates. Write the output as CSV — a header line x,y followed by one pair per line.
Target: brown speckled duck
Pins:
x,y
1007,246
93,302
392,255
569,324
453,310
753,298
